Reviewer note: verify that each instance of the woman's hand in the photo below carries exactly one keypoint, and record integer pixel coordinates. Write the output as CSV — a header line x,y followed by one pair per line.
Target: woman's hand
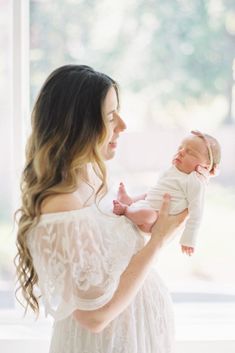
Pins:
x,y
166,225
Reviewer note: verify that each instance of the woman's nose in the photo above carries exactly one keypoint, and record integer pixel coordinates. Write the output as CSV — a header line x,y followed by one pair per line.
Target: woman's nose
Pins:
x,y
120,124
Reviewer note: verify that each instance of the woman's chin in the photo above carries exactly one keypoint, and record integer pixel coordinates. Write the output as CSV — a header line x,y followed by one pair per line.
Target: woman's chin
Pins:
x,y
109,155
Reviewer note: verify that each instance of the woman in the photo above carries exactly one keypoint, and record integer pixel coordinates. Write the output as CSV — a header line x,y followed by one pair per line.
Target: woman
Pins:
x,y
93,269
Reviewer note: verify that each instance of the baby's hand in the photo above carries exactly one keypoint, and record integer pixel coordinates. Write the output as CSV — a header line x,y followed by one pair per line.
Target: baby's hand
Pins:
x,y
203,172
188,250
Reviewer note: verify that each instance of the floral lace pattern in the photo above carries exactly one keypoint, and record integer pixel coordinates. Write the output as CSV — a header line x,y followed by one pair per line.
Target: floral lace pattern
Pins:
x,y
79,257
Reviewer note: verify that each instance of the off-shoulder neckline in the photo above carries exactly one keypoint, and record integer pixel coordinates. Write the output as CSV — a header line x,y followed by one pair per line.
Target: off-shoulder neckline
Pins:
x,y
63,213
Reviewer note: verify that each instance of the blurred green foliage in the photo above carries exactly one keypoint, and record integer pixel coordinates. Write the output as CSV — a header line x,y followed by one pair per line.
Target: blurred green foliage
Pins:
x,y
181,49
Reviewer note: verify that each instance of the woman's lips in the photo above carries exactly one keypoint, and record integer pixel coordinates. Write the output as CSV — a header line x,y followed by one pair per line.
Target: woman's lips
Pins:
x,y
113,144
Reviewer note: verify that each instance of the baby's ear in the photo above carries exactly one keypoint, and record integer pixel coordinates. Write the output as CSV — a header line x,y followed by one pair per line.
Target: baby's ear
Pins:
x,y
215,170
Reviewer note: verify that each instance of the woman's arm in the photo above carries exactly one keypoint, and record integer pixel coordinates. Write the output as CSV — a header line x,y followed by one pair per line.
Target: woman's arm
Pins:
x,y
133,277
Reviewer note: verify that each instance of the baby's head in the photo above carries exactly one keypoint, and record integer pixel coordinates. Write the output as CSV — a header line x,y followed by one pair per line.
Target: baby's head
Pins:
x,y
196,150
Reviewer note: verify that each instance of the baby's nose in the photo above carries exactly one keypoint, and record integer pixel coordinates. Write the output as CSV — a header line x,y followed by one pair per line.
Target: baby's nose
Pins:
x,y
182,151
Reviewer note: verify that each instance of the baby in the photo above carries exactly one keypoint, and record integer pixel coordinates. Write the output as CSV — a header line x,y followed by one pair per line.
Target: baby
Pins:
x,y
196,160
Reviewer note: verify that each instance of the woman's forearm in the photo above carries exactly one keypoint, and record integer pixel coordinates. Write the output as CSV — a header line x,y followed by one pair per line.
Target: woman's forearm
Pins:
x,y
130,282
134,276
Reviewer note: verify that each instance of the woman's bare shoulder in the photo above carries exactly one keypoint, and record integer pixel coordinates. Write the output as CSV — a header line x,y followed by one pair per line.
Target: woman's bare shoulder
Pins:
x,y
60,203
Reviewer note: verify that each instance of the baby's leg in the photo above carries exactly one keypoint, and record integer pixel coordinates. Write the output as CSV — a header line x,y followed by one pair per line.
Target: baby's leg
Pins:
x,y
122,196
144,217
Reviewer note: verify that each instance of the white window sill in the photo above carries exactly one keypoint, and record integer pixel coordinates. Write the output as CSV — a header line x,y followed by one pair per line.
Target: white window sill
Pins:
x,y
200,327
205,321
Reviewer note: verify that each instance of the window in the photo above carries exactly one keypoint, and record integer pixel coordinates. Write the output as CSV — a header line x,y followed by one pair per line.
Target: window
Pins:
x,y
157,108
175,73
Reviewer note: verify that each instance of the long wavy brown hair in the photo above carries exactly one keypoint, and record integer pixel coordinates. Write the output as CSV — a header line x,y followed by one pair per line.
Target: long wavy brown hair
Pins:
x,y
67,130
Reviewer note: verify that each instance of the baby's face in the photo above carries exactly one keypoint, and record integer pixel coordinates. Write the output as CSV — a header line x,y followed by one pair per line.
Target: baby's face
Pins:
x,y
191,153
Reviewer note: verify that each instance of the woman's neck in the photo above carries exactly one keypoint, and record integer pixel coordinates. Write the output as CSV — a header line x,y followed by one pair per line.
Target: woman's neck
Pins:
x,y
88,185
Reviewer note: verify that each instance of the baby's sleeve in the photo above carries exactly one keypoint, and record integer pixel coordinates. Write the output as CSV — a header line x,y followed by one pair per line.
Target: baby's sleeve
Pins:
x,y
74,266
195,194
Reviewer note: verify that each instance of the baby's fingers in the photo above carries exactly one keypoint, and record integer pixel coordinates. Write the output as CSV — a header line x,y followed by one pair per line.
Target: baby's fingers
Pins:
x,y
187,250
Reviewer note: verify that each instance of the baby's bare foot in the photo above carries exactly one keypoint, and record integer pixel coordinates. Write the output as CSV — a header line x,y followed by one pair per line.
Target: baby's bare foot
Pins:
x,y
118,208
123,196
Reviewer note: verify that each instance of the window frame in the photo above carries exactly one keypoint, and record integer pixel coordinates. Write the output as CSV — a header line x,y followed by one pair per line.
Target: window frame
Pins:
x,y
20,89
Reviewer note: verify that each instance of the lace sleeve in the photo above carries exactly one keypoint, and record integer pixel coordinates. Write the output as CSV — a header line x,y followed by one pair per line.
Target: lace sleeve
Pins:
x,y
76,265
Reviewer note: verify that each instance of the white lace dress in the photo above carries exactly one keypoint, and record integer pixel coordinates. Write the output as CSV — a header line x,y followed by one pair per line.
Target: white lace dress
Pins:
x,y
79,257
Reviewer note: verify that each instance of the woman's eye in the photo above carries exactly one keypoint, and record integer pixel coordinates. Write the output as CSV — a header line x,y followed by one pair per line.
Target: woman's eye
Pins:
x,y
111,117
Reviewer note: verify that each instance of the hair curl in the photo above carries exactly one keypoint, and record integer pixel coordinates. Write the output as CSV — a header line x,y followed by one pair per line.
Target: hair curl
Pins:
x,y
67,130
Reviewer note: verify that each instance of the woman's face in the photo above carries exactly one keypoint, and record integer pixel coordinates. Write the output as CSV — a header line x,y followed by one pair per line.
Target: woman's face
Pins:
x,y
114,124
